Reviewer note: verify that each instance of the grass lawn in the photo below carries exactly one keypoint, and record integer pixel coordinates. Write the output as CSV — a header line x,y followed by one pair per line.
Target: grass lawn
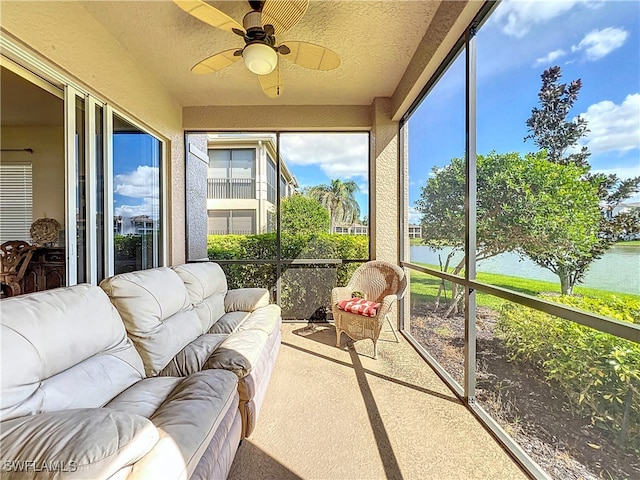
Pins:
x,y
425,288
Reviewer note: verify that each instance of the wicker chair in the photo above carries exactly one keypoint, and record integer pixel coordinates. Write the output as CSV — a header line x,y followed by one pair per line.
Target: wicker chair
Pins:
x,y
377,281
14,260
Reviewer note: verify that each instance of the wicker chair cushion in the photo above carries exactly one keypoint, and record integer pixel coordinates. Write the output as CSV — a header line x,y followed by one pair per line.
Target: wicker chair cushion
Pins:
x,y
360,306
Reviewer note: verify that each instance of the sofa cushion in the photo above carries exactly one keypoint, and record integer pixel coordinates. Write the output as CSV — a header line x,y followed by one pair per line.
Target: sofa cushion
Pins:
x,y
246,299
187,422
206,284
239,353
79,444
61,341
229,322
156,310
359,306
193,357
145,397
266,319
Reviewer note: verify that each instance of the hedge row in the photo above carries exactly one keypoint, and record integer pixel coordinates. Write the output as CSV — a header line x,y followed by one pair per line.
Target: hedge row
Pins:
x,y
306,289
598,372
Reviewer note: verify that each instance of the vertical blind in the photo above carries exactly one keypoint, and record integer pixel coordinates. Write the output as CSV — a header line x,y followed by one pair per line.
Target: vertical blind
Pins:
x,y
237,222
16,201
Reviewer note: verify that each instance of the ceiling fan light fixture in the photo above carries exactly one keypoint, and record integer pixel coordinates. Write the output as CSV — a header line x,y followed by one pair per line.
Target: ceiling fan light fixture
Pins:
x,y
260,58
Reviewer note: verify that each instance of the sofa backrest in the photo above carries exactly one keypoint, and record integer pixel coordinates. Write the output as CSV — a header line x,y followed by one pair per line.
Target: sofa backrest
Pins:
x,y
157,313
61,349
207,287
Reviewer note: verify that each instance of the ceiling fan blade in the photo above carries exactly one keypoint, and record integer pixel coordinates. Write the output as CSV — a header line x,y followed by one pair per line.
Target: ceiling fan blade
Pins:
x,y
283,14
271,83
312,56
269,30
208,14
216,62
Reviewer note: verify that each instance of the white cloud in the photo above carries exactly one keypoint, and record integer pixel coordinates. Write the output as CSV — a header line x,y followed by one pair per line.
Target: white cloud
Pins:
x,y
149,207
550,57
141,183
599,43
337,155
516,18
622,172
414,216
613,128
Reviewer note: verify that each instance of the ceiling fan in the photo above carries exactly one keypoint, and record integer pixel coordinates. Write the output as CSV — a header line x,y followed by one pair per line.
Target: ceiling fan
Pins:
x,y
261,51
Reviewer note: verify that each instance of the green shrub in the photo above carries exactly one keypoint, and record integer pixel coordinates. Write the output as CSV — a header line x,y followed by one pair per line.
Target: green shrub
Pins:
x,y
302,214
598,372
306,289
128,251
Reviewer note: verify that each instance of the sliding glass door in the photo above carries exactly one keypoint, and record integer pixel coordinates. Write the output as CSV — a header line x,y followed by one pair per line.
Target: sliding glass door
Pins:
x,y
135,194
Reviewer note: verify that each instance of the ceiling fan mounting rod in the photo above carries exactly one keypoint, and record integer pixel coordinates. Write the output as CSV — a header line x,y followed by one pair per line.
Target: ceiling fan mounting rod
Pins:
x,y
252,21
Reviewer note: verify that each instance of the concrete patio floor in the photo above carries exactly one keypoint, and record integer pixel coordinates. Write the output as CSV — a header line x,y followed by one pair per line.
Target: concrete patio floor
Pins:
x,y
335,413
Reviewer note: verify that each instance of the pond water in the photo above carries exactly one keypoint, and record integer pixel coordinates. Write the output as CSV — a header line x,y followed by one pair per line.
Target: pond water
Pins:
x,y
618,270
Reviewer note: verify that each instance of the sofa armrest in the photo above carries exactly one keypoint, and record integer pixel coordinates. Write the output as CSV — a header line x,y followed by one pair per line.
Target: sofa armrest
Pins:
x,y
246,299
77,443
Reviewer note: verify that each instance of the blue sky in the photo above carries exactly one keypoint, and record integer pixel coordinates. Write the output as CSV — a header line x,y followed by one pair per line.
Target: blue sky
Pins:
x,y
136,175
317,158
595,41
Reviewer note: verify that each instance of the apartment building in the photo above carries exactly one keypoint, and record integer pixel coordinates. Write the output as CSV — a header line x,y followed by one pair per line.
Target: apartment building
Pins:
x,y
242,184
415,231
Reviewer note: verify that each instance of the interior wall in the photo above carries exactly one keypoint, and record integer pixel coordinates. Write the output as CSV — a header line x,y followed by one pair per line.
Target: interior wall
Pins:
x,y
68,38
48,166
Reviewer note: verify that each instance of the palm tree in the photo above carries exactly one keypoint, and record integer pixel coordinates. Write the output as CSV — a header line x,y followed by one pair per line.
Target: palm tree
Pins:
x,y
338,198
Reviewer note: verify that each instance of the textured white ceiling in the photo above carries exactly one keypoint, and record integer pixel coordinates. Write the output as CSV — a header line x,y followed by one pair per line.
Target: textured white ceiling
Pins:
x,y
374,39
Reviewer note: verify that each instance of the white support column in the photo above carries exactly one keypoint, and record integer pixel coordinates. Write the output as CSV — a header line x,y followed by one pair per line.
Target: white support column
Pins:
x,y
384,180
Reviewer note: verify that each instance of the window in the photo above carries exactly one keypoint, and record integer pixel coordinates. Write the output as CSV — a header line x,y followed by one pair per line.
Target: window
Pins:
x,y
505,327
283,236
271,180
16,201
232,222
232,173
136,197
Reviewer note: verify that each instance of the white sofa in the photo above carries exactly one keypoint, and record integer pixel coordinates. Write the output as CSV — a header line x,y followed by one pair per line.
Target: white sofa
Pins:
x,y
184,320
75,403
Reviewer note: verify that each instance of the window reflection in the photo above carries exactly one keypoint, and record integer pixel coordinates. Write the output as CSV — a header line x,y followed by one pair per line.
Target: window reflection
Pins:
x,y
136,198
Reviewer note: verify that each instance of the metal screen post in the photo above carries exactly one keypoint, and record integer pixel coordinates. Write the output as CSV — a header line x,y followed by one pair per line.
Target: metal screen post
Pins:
x,y
470,218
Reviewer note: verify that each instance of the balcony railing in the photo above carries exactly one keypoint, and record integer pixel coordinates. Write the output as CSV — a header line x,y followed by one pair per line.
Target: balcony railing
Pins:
x,y
235,188
233,231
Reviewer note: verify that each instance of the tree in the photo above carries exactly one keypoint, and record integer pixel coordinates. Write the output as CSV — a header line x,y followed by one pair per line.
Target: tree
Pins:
x,y
337,197
558,137
300,214
548,125
523,205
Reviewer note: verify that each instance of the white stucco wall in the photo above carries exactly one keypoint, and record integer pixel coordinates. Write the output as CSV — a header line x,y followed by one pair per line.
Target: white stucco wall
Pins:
x,y
384,183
